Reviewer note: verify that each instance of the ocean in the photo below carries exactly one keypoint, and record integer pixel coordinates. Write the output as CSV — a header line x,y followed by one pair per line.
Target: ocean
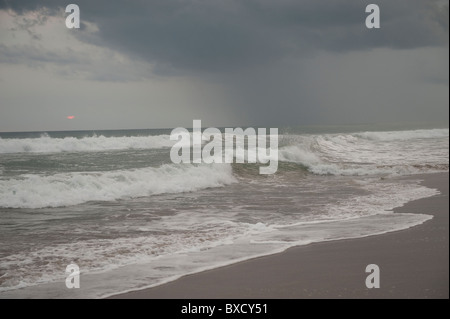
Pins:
x,y
113,203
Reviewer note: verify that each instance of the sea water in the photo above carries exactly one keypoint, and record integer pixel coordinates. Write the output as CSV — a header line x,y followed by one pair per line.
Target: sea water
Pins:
x,y
114,204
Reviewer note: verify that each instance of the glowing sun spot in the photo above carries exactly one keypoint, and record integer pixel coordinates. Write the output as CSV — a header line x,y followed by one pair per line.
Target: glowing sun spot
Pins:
x,y
71,117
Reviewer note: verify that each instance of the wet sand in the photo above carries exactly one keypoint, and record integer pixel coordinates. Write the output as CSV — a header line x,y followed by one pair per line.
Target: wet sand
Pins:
x,y
414,263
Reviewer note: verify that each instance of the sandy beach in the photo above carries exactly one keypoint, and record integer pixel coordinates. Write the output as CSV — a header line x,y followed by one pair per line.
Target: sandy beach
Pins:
x,y
414,263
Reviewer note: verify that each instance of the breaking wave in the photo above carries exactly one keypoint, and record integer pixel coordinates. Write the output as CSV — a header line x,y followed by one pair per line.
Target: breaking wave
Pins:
x,y
46,144
66,189
368,153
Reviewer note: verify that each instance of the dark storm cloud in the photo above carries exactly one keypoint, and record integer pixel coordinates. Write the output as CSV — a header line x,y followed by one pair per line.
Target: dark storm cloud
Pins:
x,y
252,62
218,36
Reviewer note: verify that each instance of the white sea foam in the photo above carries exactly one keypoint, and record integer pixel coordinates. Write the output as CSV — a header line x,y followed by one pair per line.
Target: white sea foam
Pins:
x,y
46,144
122,264
404,135
369,153
65,189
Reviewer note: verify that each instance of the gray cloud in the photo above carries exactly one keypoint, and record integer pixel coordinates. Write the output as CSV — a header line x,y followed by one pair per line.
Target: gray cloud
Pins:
x,y
221,36
32,56
72,64
249,62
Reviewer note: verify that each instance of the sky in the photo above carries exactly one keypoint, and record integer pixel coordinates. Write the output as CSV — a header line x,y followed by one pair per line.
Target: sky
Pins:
x,y
162,64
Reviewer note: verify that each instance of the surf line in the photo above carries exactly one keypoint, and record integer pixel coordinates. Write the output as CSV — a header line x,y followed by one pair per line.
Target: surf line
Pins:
x,y
223,149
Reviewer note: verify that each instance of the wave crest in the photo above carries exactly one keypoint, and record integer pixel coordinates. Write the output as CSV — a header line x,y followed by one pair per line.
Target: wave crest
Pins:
x,y
66,189
369,153
46,144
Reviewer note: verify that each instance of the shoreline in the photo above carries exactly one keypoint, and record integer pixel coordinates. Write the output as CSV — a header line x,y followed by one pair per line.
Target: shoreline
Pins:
x,y
413,263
